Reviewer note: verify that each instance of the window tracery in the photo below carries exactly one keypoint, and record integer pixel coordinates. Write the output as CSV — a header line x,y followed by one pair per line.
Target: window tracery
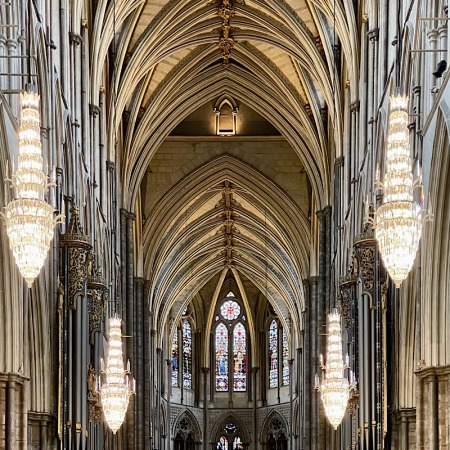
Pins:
x,y
231,348
230,310
187,355
285,359
226,110
273,354
221,358
239,357
175,360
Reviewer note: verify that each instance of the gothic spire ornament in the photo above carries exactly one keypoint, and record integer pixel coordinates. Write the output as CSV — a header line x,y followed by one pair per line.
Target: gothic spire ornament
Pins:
x,y
29,218
120,385
335,387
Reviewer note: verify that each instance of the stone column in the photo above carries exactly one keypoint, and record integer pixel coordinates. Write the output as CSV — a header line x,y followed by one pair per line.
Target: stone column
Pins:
x,y
307,367
205,371
131,321
322,321
76,246
328,219
314,363
147,370
139,366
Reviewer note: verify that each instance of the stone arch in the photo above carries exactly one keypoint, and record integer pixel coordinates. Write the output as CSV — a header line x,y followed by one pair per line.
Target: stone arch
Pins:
x,y
230,417
275,424
187,423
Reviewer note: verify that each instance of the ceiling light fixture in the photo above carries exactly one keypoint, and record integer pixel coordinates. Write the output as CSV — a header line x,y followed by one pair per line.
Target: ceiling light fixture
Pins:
x,y
119,385
335,387
399,218
30,221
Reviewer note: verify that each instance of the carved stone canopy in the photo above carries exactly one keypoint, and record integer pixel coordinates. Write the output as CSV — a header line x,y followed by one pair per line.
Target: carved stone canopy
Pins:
x,y
74,235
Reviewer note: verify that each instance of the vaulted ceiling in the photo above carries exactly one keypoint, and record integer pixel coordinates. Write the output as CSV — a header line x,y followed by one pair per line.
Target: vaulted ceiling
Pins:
x,y
277,58
274,55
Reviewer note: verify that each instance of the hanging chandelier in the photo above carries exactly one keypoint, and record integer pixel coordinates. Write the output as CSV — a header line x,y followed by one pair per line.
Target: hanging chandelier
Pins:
x,y
29,218
335,387
399,218
119,385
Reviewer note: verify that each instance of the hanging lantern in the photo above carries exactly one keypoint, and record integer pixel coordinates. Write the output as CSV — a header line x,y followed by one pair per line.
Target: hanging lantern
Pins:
x,y
335,387
399,218
29,218
119,385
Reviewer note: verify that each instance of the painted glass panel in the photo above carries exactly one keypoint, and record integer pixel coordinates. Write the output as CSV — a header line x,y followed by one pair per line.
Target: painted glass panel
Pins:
x,y
285,360
221,358
222,444
187,355
273,354
239,357
230,310
237,443
175,360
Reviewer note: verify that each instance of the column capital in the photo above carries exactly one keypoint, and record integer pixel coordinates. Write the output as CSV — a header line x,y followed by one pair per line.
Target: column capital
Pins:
x,y
432,34
94,110
373,34
139,281
339,161
354,107
314,280
320,215
75,38
327,210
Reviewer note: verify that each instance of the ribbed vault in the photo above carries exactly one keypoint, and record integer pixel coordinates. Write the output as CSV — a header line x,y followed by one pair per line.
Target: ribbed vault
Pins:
x,y
281,64
185,239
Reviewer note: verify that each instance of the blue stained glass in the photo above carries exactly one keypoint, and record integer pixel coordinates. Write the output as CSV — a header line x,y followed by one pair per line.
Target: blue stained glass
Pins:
x,y
221,358
273,354
222,444
239,357
237,443
187,355
285,359
175,360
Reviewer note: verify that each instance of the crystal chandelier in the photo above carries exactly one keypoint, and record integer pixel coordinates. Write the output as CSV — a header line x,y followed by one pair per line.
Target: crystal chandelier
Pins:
x,y
335,387
29,218
119,384
399,218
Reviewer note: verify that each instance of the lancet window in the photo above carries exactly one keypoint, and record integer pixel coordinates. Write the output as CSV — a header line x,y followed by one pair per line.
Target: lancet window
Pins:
x,y
182,367
231,347
278,347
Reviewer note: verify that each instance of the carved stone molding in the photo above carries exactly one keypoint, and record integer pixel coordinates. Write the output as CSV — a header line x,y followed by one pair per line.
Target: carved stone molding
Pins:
x,y
78,245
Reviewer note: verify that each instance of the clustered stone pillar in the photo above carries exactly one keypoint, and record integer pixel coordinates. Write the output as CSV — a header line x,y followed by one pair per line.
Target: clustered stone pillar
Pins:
x,y
13,428
75,352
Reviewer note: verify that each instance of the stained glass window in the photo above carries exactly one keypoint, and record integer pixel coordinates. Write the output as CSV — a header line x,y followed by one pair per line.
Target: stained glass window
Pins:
x,y
230,428
175,360
239,357
185,312
285,360
221,358
230,294
222,444
273,354
187,355
237,443
230,310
